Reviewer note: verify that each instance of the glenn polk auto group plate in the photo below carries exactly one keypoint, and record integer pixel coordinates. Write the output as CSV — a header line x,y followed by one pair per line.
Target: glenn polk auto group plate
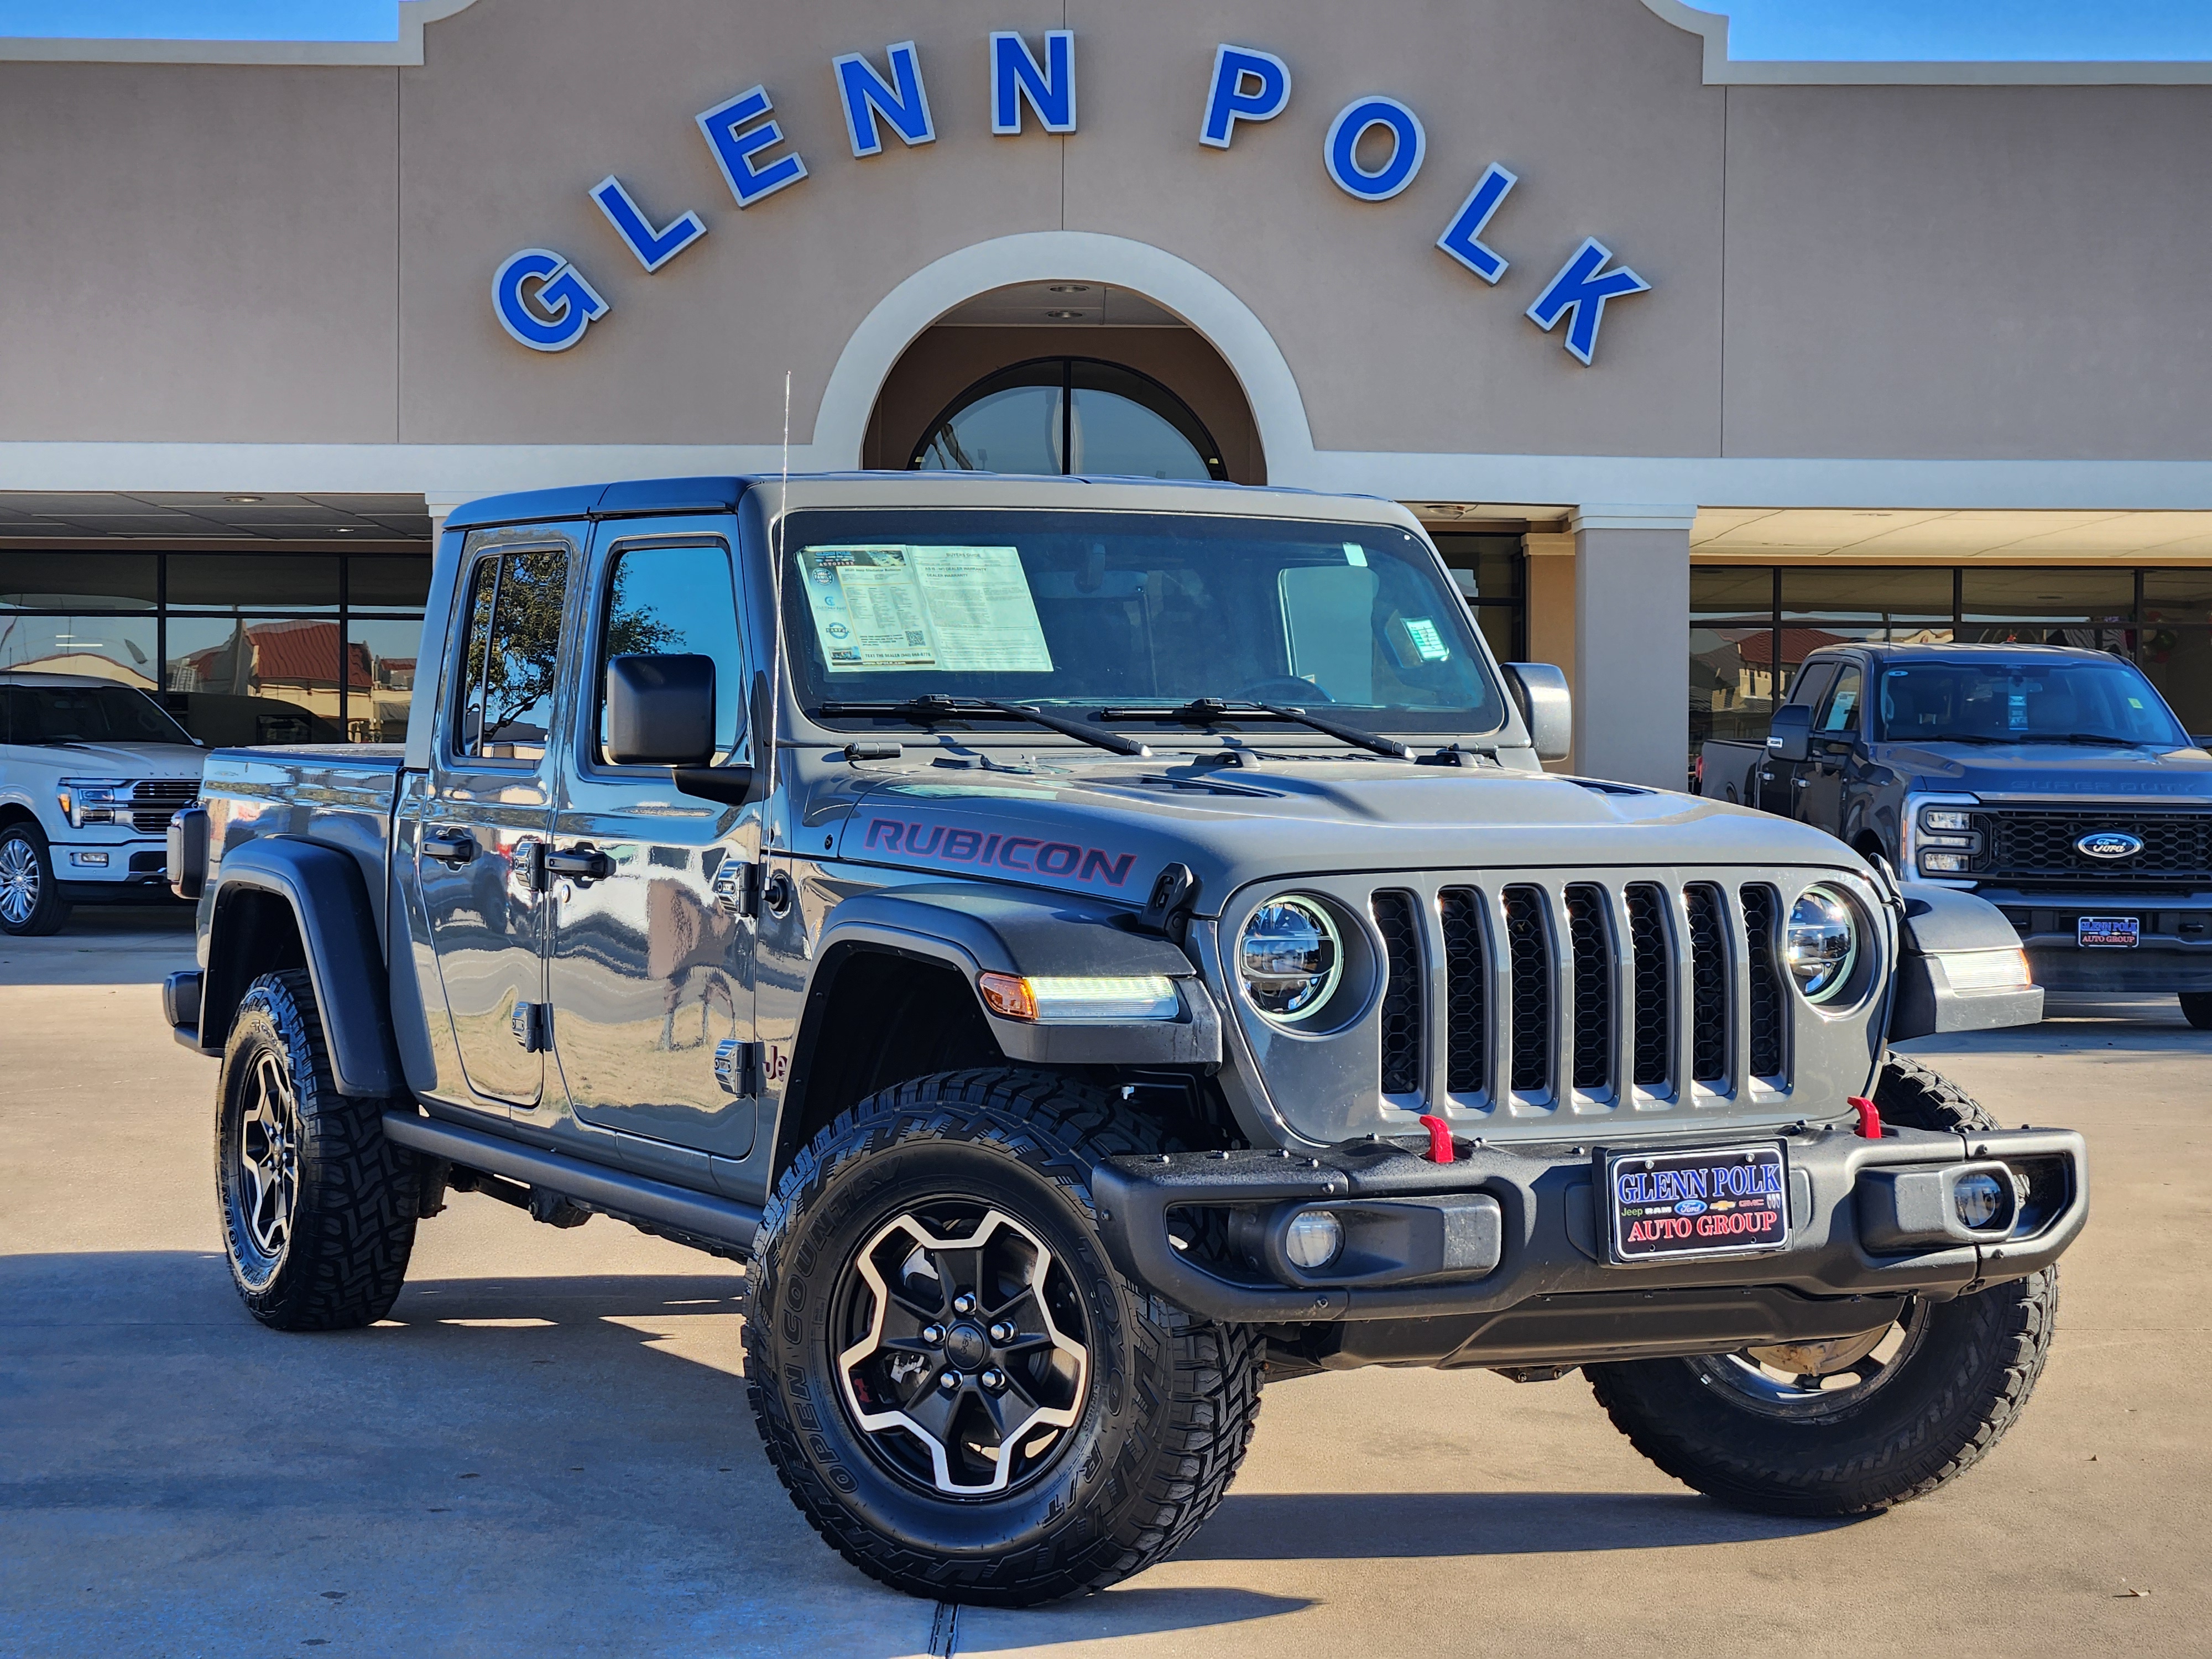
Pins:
x,y
1718,1200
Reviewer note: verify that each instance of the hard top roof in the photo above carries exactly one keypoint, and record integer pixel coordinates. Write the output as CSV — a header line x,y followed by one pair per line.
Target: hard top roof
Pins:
x,y
67,681
1932,651
721,494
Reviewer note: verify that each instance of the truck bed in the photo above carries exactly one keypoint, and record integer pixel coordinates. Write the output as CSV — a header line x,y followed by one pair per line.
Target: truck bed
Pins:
x,y
340,794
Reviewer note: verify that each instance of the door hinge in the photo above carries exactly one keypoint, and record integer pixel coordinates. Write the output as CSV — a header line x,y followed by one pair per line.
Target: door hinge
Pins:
x,y
737,1067
532,1025
737,886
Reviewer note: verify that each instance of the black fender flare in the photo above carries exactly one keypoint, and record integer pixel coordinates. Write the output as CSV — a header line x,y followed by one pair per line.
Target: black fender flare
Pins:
x,y
1938,923
975,928
329,903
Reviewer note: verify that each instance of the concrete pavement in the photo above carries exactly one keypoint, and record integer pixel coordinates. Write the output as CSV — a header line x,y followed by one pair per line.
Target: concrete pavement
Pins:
x,y
546,1450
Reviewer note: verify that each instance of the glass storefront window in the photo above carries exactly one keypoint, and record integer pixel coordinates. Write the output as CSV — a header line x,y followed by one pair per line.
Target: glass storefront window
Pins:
x,y
333,664
79,581
1489,571
1069,415
381,658
253,581
1868,597
121,648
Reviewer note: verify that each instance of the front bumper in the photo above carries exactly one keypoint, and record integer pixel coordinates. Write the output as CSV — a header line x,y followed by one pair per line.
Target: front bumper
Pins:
x,y
120,872
2175,953
1499,1258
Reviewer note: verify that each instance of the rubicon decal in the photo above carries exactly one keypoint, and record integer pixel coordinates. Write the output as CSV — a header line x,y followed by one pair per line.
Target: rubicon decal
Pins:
x,y
914,838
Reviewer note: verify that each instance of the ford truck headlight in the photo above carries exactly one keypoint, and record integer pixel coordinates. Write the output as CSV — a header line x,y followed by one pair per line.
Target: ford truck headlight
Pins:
x,y
1823,943
1289,958
92,800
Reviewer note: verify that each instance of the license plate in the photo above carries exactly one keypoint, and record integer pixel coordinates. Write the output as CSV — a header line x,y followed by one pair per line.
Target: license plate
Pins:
x,y
1726,1200
2108,932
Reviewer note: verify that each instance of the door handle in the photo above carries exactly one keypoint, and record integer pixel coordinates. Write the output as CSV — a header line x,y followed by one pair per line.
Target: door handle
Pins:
x,y
1799,783
583,861
452,848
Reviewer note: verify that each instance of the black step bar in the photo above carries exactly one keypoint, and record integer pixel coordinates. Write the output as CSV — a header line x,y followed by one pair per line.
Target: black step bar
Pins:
x,y
634,1198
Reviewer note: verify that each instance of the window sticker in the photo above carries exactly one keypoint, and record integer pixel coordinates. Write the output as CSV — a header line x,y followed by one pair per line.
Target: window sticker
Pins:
x,y
982,614
1417,640
880,609
868,609
1354,554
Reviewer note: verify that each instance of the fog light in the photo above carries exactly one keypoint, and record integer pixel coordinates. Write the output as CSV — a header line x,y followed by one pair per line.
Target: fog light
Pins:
x,y
1979,1198
1312,1239
1946,863
98,859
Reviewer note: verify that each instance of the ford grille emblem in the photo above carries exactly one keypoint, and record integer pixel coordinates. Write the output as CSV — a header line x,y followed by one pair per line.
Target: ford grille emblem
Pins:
x,y
2109,844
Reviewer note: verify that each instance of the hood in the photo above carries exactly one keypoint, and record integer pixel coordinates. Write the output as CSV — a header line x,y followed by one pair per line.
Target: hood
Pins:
x,y
121,760
1108,829
2057,771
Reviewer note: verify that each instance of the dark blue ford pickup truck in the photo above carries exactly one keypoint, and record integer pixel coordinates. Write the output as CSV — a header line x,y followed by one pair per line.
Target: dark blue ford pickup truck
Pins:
x,y
2054,782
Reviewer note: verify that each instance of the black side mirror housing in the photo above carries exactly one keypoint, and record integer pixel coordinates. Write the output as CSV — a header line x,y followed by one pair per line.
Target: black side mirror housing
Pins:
x,y
1790,733
660,710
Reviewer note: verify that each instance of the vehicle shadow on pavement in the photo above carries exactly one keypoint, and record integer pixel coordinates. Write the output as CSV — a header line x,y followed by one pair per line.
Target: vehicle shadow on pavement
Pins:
x,y
1379,1526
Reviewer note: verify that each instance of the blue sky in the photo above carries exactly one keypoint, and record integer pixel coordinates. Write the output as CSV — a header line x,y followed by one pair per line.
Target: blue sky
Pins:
x,y
1818,29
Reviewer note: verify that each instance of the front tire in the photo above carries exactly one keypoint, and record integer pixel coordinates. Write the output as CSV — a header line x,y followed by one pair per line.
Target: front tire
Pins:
x,y
318,1208
958,1388
2196,1009
31,902
1854,1425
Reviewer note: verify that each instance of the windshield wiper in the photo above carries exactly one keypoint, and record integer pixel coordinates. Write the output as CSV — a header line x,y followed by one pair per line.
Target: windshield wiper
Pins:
x,y
2095,739
927,711
1203,711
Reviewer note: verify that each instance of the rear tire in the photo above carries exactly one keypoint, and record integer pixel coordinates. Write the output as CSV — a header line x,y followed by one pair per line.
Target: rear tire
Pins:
x,y
318,1208
1955,1378
946,1439
31,902
2196,1009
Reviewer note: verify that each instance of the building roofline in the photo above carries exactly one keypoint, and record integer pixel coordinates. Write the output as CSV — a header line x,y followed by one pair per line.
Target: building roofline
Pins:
x,y
406,52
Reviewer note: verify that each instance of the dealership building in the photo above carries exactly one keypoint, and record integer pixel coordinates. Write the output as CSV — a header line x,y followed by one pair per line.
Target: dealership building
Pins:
x,y
1690,365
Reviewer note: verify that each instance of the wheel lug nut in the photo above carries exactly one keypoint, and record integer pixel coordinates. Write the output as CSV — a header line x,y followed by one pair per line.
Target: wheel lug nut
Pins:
x,y
933,1335
948,1380
963,1303
1002,1332
994,1379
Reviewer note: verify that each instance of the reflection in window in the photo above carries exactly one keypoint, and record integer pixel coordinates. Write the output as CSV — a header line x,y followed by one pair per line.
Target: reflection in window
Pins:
x,y
512,654
1058,415
678,601
120,649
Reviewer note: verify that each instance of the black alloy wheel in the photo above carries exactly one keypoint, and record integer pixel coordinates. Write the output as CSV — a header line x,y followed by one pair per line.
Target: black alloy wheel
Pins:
x,y
1856,1424
953,1381
317,1208
31,902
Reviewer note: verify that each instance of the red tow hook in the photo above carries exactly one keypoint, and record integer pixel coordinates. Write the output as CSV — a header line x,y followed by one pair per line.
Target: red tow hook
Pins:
x,y
1869,1118
1440,1140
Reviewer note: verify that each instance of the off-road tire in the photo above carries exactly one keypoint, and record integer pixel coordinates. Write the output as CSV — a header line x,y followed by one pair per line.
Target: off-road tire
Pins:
x,y
354,1202
24,853
1949,1402
2196,1009
1172,1399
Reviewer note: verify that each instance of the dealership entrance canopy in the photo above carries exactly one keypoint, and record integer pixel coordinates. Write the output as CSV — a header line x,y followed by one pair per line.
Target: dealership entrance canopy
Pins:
x,y
1669,351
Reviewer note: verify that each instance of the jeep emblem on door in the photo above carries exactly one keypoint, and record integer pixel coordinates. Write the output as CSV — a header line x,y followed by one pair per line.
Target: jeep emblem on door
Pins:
x,y
2109,844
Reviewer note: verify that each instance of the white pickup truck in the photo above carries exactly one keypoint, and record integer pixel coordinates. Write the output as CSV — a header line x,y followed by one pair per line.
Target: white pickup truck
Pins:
x,y
90,773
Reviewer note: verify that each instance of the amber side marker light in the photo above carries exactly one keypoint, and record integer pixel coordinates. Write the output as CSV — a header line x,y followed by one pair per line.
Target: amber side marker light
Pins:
x,y
1088,997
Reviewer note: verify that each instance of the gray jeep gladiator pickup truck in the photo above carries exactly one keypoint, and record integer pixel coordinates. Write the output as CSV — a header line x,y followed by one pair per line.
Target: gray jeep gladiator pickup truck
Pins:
x,y
1089,948
2053,780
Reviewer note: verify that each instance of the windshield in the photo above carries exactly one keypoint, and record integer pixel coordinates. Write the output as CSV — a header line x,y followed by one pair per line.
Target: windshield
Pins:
x,y
85,713
1107,616
2051,700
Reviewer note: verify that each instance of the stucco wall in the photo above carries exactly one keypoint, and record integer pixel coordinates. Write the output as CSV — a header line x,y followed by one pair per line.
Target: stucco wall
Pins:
x,y
289,255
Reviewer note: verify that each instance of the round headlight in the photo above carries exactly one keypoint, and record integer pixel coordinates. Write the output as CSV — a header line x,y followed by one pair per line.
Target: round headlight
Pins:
x,y
1289,958
1823,945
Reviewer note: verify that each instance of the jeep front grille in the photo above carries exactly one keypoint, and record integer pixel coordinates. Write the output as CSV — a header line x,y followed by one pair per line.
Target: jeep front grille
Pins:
x,y
1535,993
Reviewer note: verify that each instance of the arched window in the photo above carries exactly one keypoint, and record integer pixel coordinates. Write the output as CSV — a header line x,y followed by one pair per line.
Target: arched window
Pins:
x,y
1062,415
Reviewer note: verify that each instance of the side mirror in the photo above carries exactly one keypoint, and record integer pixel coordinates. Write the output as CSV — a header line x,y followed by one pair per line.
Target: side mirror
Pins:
x,y
1547,707
660,711
1790,733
